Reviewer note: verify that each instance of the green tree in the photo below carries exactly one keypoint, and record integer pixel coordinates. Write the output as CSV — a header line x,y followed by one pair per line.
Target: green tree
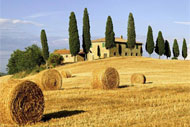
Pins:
x,y
175,49
141,51
184,49
25,60
98,52
45,48
160,46
167,49
86,38
149,41
109,34
131,35
13,63
74,42
55,59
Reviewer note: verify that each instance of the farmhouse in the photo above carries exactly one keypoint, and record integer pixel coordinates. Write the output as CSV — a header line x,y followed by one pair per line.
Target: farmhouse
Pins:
x,y
67,57
98,49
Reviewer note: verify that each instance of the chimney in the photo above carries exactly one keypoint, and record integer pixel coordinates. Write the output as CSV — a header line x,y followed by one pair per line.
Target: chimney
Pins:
x,y
121,36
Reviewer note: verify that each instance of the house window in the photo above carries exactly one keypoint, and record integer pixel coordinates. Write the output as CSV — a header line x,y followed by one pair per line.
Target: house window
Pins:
x,y
131,54
114,53
126,54
103,44
136,46
136,54
66,55
127,46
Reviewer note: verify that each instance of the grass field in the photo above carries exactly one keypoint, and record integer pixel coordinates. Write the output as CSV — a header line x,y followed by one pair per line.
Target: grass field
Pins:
x,y
164,101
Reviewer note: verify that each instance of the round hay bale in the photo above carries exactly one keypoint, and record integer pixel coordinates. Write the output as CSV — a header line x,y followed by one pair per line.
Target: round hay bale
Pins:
x,y
47,80
21,102
138,79
107,78
66,74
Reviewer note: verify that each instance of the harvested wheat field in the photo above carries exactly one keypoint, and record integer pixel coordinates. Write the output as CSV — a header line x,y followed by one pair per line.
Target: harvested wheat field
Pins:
x,y
163,101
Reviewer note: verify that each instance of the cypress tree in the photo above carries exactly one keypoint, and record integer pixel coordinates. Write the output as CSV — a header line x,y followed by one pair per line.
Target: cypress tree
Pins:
x,y
160,46
131,35
74,42
99,53
45,48
109,34
149,41
175,49
86,33
167,49
184,49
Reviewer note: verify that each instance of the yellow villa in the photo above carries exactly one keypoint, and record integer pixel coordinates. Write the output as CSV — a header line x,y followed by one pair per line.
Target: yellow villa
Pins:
x,y
98,49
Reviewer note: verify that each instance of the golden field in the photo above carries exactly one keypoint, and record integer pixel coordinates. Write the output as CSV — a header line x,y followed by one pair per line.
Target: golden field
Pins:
x,y
164,101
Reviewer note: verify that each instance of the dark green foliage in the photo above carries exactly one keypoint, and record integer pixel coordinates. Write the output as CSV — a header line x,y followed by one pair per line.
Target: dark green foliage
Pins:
x,y
2,74
174,58
45,48
160,46
184,49
74,43
109,34
141,51
55,59
25,60
98,52
175,49
167,49
149,41
86,32
131,35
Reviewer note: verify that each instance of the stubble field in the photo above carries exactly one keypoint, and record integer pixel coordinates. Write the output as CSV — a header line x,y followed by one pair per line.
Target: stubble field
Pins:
x,y
164,101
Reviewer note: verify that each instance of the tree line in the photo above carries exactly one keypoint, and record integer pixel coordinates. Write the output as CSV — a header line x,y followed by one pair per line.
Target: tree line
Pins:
x,y
34,56
162,46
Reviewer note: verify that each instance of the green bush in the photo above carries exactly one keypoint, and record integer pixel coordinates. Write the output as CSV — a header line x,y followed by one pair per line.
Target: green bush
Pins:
x,y
174,58
25,60
55,60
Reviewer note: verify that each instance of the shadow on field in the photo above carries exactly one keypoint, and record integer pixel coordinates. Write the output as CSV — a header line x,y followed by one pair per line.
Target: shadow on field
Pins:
x,y
125,86
148,82
60,114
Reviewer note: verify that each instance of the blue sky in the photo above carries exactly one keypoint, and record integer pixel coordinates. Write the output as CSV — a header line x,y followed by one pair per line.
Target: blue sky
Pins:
x,y
22,20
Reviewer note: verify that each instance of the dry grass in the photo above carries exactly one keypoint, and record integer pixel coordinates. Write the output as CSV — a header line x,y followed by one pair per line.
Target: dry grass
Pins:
x,y
163,101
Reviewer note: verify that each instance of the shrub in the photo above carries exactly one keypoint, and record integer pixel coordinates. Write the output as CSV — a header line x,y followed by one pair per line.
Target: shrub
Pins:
x,y
174,58
55,60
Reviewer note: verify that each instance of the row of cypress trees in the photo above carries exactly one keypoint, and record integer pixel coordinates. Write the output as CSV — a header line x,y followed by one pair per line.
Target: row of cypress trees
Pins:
x,y
74,42
162,46
110,35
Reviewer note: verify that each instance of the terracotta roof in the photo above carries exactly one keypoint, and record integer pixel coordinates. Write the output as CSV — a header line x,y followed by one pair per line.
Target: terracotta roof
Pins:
x,y
62,51
66,51
117,39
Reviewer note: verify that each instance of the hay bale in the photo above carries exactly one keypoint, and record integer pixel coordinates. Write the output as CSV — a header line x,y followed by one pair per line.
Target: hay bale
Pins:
x,y
47,80
138,78
107,78
21,102
66,74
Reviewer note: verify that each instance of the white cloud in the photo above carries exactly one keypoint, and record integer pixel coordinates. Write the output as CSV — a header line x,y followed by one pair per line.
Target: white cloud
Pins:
x,y
17,21
184,23
43,14
60,41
